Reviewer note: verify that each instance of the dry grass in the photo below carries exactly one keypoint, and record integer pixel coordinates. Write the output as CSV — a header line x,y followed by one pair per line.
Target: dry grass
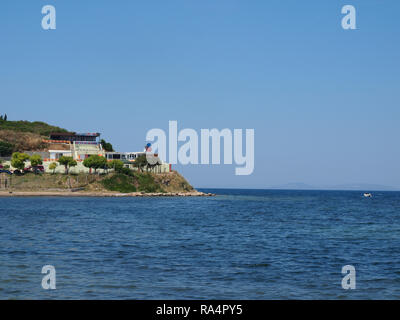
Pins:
x,y
23,141
173,182
48,181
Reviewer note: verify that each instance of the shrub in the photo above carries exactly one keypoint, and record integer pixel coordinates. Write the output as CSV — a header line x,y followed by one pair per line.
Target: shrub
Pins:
x,y
126,171
120,183
147,183
117,165
6,149
53,166
18,160
36,160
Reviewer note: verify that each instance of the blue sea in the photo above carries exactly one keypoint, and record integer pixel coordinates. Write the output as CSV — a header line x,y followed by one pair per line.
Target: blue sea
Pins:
x,y
240,244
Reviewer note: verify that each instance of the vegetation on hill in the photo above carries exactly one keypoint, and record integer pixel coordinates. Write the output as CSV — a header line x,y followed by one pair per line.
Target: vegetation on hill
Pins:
x,y
119,182
37,127
21,141
173,181
24,135
6,148
112,182
19,136
130,181
51,182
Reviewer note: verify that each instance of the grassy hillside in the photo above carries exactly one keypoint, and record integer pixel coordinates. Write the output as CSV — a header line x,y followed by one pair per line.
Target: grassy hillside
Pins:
x,y
171,182
113,182
21,141
146,182
36,127
24,135
50,182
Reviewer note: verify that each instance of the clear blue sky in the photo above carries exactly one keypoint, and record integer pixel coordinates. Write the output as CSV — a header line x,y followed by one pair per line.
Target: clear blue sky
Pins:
x,y
324,102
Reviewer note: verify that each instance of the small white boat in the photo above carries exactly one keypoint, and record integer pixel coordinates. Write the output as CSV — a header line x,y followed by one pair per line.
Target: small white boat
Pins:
x,y
367,195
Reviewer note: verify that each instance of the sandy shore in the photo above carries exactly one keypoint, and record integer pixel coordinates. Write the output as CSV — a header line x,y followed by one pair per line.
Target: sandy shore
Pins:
x,y
100,194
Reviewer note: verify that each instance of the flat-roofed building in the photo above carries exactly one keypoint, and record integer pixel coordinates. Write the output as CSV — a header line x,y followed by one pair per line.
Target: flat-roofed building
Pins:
x,y
82,150
72,136
123,156
57,154
77,145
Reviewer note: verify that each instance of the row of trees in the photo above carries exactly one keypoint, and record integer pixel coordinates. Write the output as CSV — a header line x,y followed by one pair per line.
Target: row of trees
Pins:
x,y
98,162
3,117
94,162
18,160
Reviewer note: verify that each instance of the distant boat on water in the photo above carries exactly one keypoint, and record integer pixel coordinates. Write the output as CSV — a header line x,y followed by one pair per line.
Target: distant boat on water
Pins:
x,y
367,195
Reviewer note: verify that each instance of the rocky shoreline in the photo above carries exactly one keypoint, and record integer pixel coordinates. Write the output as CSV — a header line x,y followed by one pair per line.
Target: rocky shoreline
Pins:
x,y
101,194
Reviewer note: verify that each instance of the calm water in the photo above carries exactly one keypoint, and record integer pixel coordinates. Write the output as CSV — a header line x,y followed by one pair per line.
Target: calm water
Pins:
x,y
242,244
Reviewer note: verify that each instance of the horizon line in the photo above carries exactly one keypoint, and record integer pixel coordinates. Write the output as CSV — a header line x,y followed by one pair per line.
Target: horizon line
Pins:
x,y
305,189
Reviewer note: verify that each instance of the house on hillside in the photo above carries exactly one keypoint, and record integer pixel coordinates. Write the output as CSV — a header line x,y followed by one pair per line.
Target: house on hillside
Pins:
x,y
76,145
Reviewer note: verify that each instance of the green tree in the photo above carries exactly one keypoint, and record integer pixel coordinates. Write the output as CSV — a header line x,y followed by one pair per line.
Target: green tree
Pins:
x,y
117,165
53,166
106,146
67,162
5,117
18,160
95,162
6,149
140,162
36,160
72,163
88,163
